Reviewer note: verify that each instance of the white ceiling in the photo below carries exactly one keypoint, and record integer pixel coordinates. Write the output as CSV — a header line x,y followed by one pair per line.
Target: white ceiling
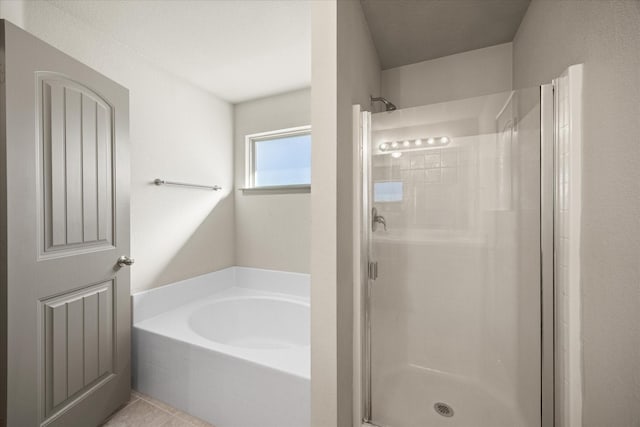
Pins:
x,y
236,49
410,31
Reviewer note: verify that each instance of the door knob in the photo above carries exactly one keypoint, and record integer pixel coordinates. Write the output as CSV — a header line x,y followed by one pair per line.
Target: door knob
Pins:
x,y
125,260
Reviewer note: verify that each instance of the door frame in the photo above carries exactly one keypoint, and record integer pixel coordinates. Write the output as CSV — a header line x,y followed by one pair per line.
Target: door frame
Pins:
x,y
547,256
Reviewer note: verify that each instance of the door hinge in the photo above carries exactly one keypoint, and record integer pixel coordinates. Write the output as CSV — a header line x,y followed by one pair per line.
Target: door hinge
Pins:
x,y
373,270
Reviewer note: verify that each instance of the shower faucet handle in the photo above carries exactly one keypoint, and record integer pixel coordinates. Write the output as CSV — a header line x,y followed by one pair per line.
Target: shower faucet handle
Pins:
x,y
377,219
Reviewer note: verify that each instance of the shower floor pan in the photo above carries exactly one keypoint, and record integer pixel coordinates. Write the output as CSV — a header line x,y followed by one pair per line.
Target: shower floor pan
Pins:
x,y
410,398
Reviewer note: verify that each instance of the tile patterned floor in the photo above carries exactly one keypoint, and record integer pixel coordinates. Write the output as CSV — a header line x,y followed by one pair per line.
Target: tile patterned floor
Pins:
x,y
145,411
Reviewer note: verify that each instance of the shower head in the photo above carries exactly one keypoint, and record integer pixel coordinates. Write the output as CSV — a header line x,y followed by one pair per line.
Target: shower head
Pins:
x,y
387,105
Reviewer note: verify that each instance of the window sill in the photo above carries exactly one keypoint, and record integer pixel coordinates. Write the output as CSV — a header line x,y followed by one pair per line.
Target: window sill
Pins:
x,y
277,189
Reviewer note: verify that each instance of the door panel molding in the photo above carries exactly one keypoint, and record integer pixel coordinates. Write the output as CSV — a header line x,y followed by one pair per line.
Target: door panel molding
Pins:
x,y
78,345
76,163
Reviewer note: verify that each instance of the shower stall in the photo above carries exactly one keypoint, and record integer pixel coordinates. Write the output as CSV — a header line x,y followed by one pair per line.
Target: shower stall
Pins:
x,y
455,308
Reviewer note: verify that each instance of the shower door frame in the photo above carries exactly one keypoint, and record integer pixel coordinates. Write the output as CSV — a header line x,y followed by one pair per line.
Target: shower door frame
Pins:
x,y
365,265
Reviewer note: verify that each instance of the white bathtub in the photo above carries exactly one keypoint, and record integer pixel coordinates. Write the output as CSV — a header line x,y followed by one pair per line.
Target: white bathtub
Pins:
x,y
230,347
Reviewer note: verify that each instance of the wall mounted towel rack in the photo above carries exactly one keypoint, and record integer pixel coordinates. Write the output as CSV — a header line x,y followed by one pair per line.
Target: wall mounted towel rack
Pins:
x,y
159,181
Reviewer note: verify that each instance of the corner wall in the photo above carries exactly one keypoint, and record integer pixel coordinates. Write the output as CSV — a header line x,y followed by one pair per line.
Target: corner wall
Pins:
x,y
345,71
605,36
273,231
176,233
358,79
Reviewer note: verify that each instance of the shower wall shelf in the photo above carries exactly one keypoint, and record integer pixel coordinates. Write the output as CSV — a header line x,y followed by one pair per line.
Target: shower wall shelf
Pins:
x,y
159,181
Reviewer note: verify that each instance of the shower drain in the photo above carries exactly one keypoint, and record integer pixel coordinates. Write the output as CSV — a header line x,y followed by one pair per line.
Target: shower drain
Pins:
x,y
443,409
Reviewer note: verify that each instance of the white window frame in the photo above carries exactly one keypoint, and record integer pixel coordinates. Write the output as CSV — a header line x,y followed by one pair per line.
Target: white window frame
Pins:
x,y
249,150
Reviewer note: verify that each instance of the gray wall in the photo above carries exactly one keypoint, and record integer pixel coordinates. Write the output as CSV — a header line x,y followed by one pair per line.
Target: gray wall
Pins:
x,y
273,231
450,77
345,70
605,36
358,78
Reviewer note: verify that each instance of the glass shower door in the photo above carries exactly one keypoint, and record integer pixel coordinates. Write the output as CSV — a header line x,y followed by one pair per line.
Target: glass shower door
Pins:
x,y
454,313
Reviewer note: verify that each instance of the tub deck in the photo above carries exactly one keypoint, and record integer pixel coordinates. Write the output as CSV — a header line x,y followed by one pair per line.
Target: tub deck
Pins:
x,y
174,324
227,382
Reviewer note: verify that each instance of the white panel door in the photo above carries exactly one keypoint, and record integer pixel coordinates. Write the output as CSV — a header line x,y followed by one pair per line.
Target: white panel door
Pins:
x,y
66,151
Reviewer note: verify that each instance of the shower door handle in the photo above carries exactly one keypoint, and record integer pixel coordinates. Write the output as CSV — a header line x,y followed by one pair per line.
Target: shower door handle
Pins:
x,y
373,270
377,219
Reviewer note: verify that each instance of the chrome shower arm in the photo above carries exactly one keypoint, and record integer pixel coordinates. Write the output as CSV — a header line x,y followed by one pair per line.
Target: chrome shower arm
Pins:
x,y
389,106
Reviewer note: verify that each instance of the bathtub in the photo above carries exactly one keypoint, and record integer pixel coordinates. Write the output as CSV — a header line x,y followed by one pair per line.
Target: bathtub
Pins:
x,y
229,347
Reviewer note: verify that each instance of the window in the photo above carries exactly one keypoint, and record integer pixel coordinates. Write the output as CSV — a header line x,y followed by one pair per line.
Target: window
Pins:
x,y
387,191
279,159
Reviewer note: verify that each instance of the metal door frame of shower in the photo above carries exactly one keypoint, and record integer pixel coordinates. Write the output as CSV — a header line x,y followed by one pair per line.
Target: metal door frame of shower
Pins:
x,y
547,257
362,326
